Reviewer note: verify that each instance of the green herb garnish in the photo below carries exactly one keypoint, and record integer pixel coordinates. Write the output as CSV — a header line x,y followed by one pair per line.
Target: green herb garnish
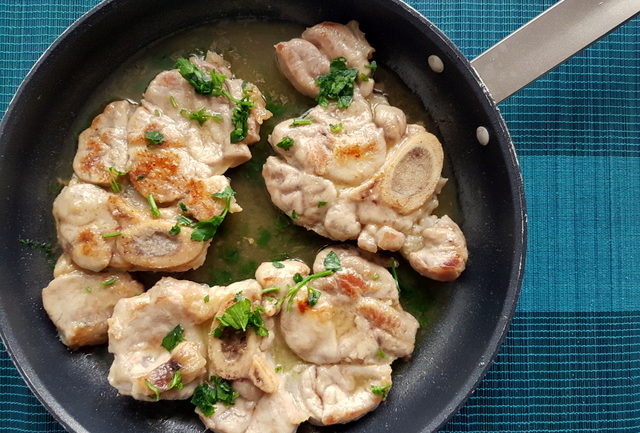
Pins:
x,y
155,212
154,137
113,183
382,391
205,396
153,388
173,102
338,84
183,207
380,354
203,83
176,381
175,336
301,122
373,65
240,117
88,289
109,282
201,116
278,369
322,203
336,129
331,265
312,296
240,316
285,143
270,290
294,215
206,299
363,77
111,235
277,265
206,229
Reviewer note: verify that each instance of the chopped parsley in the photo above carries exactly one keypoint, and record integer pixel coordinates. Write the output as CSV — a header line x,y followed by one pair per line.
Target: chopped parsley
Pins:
x,y
206,299
270,290
312,296
278,369
338,84
173,102
294,215
240,117
380,354
363,77
176,381
285,143
301,122
240,316
206,229
375,277
332,262
209,393
203,83
336,129
111,235
322,203
88,289
382,391
154,137
373,65
173,338
113,183
201,116
109,282
183,207
153,388
277,265
181,220
331,265
155,212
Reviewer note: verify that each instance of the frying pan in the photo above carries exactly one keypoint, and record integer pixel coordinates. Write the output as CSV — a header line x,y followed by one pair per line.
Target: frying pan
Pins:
x,y
474,312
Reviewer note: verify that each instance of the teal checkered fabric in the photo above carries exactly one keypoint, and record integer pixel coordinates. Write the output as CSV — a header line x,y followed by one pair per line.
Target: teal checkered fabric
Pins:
x,y
571,360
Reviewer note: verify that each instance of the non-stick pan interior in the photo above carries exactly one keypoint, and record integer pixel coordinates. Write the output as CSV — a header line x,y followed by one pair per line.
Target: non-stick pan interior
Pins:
x,y
452,354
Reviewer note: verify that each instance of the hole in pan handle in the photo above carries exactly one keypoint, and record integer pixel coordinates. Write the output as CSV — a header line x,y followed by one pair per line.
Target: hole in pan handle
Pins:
x,y
548,40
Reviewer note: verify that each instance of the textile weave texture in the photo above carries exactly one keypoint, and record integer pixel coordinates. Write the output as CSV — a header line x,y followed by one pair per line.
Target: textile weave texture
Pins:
x,y
571,360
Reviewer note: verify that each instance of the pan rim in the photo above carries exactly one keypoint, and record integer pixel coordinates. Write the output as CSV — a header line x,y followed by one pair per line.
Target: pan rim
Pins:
x,y
508,151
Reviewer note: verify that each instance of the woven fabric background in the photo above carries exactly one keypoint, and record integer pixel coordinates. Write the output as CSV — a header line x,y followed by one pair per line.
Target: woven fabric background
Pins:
x,y
571,361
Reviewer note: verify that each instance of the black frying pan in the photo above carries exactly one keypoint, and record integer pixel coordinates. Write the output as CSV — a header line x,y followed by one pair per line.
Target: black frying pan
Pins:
x,y
452,356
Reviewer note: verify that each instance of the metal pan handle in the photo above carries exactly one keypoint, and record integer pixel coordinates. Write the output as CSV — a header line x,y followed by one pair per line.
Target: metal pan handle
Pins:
x,y
548,40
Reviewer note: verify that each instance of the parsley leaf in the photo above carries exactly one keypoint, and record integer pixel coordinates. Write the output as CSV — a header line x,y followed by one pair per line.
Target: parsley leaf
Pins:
x,y
240,317
382,391
45,247
153,388
277,265
212,392
380,354
176,381
240,118
331,265
312,296
206,229
115,173
109,282
373,65
201,116
332,262
175,336
301,122
155,212
154,137
285,143
111,235
203,83
336,129
337,85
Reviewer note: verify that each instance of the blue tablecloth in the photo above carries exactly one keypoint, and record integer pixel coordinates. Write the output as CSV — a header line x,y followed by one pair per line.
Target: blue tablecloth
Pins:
x,y
571,361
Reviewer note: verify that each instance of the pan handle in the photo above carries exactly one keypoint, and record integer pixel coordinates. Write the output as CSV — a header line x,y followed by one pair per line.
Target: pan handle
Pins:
x,y
548,40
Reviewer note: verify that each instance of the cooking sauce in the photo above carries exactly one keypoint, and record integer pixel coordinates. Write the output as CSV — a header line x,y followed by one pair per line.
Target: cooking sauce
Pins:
x,y
261,232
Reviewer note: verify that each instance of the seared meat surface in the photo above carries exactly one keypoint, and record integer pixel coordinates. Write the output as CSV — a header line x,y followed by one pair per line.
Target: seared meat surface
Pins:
x,y
297,360
172,149
360,172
